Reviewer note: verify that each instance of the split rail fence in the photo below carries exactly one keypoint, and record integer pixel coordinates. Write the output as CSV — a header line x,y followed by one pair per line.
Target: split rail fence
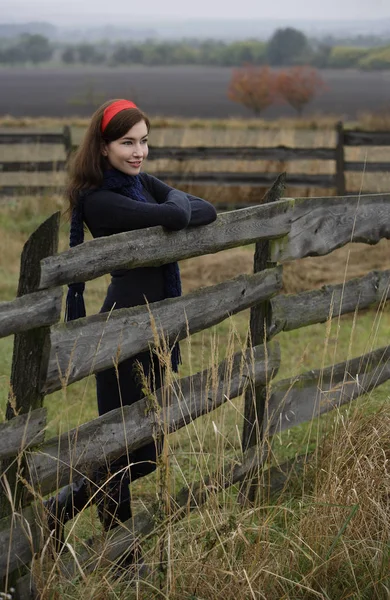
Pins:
x,y
49,355
344,138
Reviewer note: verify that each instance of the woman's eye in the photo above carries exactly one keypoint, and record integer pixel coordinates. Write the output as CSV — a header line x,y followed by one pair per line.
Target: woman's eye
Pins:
x,y
144,141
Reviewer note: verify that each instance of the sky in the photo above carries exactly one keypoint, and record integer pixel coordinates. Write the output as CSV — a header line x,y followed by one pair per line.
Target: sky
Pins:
x,y
72,12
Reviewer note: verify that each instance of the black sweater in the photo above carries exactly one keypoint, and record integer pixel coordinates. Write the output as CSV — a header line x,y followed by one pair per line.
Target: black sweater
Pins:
x,y
107,212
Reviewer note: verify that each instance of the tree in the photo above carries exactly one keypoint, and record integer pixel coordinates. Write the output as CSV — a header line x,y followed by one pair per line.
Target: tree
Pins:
x,y
254,87
298,86
69,55
287,46
35,48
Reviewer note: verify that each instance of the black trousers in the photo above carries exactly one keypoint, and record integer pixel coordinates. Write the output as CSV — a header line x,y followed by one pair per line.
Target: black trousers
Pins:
x,y
115,389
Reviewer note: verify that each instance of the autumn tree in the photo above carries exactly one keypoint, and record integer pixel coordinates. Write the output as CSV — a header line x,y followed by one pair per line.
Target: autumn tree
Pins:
x,y
254,87
299,85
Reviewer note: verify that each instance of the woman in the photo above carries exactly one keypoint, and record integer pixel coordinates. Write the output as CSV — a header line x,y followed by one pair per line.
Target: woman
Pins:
x,y
109,194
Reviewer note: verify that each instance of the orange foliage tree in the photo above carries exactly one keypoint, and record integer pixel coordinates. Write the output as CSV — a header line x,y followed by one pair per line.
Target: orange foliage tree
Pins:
x,y
299,85
254,87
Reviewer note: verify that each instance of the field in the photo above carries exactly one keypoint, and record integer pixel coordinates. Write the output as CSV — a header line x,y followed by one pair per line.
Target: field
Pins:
x,y
172,92
325,535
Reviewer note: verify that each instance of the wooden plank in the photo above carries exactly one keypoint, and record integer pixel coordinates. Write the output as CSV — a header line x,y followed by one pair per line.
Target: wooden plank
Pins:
x,y
31,350
32,166
129,534
253,179
20,536
319,226
31,138
367,138
292,311
30,311
89,345
368,167
67,140
113,431
277,153
21,432
154,246
302,398
82,449
260,319
340,159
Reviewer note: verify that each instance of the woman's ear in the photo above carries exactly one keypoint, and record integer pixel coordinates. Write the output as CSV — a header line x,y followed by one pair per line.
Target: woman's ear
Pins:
x,y
103,148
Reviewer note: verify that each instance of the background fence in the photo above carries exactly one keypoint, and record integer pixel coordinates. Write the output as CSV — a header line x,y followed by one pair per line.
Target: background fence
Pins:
x,y
182,176
49,355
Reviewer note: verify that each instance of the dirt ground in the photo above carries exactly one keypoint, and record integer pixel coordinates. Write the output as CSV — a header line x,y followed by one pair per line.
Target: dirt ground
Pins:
x,y
180,91
353,260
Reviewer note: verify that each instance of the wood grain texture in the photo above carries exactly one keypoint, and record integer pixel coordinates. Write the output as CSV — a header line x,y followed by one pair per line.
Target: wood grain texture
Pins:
x,y
82,449
31,138
241,178
30,311
320,225
20,536
30,356
292,311
89,345
304,226
367,138
48,166
368,167
240,153
302,398
155,246
21,432
259,322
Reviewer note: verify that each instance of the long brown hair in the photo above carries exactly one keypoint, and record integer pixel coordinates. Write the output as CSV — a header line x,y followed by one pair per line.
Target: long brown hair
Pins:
x,y
87,163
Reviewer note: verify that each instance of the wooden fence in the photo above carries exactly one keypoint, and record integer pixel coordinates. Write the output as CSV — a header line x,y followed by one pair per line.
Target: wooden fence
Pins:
x,y
49,355
345,138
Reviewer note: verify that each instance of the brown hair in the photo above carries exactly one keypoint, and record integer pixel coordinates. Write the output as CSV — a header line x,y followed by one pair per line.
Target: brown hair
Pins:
x,y
87,163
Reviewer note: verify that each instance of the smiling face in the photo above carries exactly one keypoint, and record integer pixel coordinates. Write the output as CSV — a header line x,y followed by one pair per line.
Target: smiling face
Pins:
x,y
128,152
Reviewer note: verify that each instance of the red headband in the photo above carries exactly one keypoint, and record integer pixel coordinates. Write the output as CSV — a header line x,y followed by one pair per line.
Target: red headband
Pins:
x,y
113,109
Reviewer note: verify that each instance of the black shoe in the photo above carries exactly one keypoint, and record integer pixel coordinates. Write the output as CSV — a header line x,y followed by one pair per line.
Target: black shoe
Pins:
x,y
69,501
113,501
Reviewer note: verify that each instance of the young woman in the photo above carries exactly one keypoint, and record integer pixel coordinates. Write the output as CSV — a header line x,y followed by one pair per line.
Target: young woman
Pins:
x,y
109,193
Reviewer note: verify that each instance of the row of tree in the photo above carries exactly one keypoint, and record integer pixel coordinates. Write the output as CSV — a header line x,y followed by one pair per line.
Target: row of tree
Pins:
x,y
257,88
286,47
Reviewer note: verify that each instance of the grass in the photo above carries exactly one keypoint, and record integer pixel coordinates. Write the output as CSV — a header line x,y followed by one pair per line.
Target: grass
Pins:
x,y
325,535
366,120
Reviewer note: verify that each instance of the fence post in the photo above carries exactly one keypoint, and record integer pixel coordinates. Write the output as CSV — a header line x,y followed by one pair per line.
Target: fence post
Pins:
x,y
30,355
260,320
67,133
340,160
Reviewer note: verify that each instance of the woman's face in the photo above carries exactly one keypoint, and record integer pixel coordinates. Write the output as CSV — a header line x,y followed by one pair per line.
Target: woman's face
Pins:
x,y
128,152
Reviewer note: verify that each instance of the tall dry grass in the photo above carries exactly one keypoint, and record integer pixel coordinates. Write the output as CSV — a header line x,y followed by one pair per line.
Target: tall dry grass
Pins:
x,y
323,533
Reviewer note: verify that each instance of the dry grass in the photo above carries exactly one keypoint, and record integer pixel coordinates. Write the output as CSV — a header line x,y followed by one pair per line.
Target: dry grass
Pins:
x,y
368,121
325,535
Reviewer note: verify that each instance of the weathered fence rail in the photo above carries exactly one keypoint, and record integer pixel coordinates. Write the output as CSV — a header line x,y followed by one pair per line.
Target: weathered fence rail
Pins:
x,y
336,155
283,230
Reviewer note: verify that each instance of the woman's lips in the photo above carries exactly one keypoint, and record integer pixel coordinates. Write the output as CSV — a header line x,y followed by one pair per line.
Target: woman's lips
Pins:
x,y
135,164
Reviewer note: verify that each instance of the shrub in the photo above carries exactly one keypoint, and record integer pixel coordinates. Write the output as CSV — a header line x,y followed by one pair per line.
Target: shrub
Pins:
x,y
342,57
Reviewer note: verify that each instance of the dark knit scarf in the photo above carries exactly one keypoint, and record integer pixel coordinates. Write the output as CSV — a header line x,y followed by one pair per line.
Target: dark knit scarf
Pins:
x,y
130,186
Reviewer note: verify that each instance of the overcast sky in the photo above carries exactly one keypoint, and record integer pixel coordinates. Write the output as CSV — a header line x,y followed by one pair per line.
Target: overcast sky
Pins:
x,y
69,12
